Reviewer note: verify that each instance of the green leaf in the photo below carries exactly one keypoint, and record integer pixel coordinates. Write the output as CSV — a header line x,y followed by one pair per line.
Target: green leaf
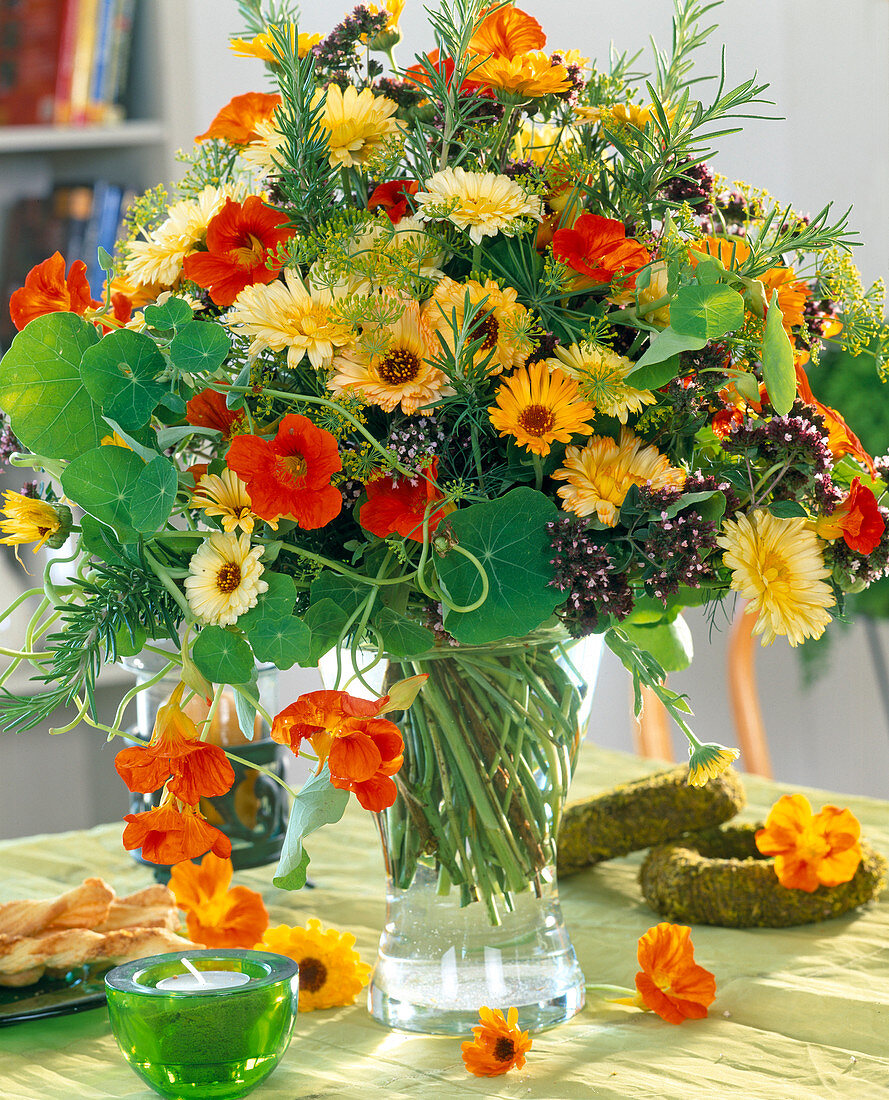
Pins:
x,y
706,311
127,645
275,603
120,374
245,710
222,657
777,361
41,390
654,375
169,437
747,385
325,620
171,314
669,643
283,642
349,595
710,505
667,344
155,495
508,537
199,346
104,482
787,509
401,636
318,803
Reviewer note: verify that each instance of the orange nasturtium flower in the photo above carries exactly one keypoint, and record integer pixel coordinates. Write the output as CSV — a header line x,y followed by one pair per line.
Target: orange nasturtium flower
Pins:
x,y
670,982
237,121
217,915
290,474
242,241
362,750
397,506
598,249
47,290
856,519
841,440
810,850
393,196
207,409
498,1046
331,972
173,832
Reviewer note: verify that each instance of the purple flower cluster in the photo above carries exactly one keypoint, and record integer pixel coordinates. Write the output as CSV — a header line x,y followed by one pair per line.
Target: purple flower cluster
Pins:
x,y
698,482
8,443
416,439
585,572
546,348
677,548
575,75
403,92
694,186
336,53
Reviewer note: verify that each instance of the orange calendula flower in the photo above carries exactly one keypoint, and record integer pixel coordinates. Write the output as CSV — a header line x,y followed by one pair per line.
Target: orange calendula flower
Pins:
x,y
393,196
218,914
236,122
331,972
198,769
207,409
810,850
857,520
498,1046
290,474
242,240
361,749
398,506
47,290
173,832
670,982
538,407
528,76
597,248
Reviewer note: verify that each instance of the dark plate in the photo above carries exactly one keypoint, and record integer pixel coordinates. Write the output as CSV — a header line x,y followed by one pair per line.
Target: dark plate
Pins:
x,y
78,990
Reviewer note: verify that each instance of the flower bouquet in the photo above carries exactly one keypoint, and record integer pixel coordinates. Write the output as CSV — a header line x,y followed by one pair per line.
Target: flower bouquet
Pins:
x,y
435,370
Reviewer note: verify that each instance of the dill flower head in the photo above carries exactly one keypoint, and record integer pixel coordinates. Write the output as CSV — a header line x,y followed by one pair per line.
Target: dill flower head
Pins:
x,y
504,324
290,316
225,579
601,375
331,972
26,519
226,496
599,475
777,565
538,407
482,202
356,123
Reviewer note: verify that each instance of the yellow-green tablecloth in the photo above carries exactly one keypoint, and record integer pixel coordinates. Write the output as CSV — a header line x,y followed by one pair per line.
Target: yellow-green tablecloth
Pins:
x,y
800,1013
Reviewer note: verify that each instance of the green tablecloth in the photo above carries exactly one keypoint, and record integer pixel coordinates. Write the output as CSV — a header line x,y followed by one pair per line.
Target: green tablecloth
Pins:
x,y
800,1014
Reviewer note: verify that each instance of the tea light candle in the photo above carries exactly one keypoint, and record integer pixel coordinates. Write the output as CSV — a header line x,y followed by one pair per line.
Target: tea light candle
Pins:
x,y
202,981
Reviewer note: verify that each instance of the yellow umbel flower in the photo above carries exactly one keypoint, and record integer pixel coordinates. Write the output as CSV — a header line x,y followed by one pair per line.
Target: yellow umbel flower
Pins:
x,y
601,375
777,565
261,44
331,972
600,474
226,496
290,316
482,202
538,407
356,123
504,323
28,520
225,579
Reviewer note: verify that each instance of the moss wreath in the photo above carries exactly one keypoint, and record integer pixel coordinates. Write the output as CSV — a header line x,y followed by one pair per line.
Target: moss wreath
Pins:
x,y
718,876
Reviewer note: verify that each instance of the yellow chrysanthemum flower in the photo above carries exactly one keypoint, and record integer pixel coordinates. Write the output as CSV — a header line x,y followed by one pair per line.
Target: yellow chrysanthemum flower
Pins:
x,y
225,579
527,76
261,44
356,123
290,315
540,142
777,565
482,202
331,972
539,407
504,323
599,475
226,496
28,520
709,761
391,365
601,376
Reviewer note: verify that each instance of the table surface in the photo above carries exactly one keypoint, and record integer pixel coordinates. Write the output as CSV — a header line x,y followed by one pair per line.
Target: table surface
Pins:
x,y
800,1013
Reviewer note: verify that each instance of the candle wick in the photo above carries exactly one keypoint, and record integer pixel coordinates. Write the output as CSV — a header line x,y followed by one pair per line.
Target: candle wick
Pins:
x,y
193,970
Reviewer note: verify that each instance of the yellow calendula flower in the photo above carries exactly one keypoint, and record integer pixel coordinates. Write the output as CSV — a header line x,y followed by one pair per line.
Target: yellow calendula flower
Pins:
x,y
331,972
778,567
226,496
527,76
261,44
356,123
504,324
599,475
28,520
601,377
538,407
225,579
483,203
709,761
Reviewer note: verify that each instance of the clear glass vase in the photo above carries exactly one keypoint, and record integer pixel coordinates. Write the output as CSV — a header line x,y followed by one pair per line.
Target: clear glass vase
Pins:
x,y
473,915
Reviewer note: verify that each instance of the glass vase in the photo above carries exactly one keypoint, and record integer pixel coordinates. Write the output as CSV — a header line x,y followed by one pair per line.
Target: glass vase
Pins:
x,y
473,915
253,813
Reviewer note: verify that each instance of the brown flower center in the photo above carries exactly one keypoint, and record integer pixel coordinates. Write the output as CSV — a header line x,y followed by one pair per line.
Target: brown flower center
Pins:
x,y
399,366
312,974
489,327
294,466
536,420
249,254
504,1049
229,577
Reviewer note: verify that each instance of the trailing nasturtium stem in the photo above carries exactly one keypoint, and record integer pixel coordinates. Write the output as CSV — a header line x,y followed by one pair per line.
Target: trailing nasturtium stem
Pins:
x,y
264,769
164,577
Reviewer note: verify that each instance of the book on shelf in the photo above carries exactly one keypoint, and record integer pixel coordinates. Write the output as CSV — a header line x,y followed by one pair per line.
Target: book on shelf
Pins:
x,y
31,33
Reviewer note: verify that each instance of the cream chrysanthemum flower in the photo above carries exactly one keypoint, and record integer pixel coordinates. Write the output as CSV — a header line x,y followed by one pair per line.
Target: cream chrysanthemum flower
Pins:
x,y
482,202
504,324
290,316
356,123
391,365
539,407
777,565
225,579
262,153
226,496
601,377
331,972
599,475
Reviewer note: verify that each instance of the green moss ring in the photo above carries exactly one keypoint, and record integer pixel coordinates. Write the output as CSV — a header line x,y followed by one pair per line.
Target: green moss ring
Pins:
x,y
719,877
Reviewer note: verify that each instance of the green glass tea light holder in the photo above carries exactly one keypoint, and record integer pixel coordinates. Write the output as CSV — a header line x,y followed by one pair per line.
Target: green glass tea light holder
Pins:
x,y
209,1024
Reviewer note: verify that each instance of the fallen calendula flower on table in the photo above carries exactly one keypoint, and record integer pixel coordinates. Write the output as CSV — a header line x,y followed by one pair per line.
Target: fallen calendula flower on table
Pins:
x,y
498,1046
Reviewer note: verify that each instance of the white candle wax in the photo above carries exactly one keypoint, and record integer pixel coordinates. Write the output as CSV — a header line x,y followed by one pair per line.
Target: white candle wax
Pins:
x,y
209,980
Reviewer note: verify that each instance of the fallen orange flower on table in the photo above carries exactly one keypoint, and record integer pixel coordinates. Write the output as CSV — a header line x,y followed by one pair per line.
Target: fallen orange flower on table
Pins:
x,y
498,1045
810,850
670,982
217,916
331,972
